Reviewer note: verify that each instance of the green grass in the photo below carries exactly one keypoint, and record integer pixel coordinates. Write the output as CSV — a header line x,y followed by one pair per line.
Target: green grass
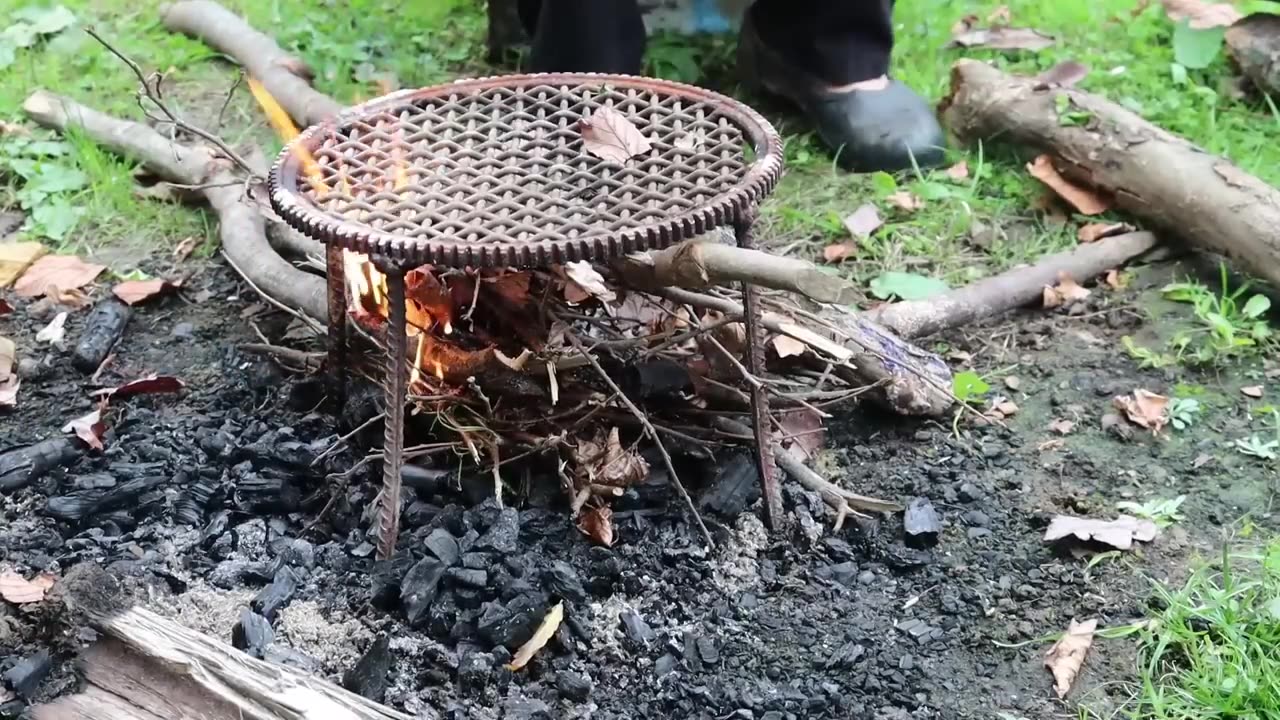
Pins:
x,y
1213,651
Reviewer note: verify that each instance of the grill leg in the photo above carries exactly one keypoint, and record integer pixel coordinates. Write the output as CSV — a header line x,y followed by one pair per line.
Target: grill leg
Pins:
x,y
759,399
394,381
335,277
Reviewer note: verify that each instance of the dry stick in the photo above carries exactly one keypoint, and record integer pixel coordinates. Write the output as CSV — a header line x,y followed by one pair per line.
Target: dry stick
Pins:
x,y
285,77
649,430
302,357
1167,182
240,225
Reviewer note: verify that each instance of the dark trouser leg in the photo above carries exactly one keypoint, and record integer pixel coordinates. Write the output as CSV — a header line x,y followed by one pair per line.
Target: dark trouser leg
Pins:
x,y
840,41
584,35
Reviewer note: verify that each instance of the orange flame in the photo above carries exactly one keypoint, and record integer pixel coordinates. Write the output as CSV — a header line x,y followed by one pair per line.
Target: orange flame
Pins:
x,y
287,131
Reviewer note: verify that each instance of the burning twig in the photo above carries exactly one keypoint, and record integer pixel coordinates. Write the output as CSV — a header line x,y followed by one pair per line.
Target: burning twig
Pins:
x,y
649,430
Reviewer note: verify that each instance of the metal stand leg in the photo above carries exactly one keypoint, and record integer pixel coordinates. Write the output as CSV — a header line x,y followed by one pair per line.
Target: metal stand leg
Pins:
x,y
395,382
335,275
759,399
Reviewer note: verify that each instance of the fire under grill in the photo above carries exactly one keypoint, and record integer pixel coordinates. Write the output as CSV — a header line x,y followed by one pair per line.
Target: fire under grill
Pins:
x,y
492,174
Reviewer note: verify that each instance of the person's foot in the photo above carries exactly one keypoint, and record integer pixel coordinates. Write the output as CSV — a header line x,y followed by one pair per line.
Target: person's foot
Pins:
x,y
877,124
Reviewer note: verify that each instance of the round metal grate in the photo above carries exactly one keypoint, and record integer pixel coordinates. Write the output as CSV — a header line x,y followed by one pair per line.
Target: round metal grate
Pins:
x,y
494,172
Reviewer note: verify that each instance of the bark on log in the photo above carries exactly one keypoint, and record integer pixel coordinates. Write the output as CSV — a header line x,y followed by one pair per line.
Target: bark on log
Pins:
x,y
240,225
284,76
1162,179
1254,43
1009,290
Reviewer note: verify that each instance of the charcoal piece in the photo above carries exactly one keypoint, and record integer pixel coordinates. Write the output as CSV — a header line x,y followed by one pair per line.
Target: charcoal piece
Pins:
x,y
263,493
369,676
443,545
426,480
476,561
25,677
665,665
475,670
215,443
420,513
921,523
197,495
636,629
708,651
102,330
94,481
386,578
503,536
442,617
526,709
692,659
468,578
22,466
845,573
656,379
286,656
845,657
563,582
12,710
419,588
470,598
736,486
485,513
511,624
129,498
252,633
299,553
275,596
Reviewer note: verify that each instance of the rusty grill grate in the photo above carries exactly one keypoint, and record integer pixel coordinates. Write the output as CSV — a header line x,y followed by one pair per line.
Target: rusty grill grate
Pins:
x,y
494,172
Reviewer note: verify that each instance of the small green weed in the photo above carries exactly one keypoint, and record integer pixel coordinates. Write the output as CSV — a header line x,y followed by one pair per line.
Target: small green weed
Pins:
x,y
968,386
1183,412
1213,650
1260,445
1161,512
49,182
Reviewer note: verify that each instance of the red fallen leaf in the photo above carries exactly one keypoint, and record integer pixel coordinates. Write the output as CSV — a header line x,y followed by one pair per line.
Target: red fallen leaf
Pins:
x,y
512,286
836,252
610,136
89,428
146,386
133,292
1084,200
20,591
53,274
597,524
5,307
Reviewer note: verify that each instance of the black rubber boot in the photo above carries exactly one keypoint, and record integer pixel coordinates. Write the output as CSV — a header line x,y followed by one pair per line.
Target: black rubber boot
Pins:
x,y
887,129
605,36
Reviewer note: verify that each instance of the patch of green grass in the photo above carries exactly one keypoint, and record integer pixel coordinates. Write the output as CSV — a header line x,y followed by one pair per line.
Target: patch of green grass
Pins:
x,y
1213,650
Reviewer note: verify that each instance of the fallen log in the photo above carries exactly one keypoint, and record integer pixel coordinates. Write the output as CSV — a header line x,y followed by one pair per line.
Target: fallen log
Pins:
x,y
1254,43
240,225
149,667
1166,181
284,76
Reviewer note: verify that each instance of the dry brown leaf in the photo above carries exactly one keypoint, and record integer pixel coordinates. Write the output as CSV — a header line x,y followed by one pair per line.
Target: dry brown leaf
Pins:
x,y
1253,391
836,252
89,428
8,358
1116,280
5,307
546,630
16,258
1066,291
905,200
20,591
1062,427
863,221
60,272
1201,460
999,16
9,391
1084,200
1144,409
149,385
1065,74
1013,382
185,248
1119,533
788,346
1002,38
589,282
610,136
55,331
1093,232
1066,657
959,171
1006,408
597,524
604,461
133,292
1202,15
803,432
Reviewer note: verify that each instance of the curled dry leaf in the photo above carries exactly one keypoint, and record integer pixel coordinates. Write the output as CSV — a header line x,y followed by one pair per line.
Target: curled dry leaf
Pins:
x,y
1093,232
546,630
1252,391
803,433
604,461
1202,15
1144,409
1116,280
133,292
959,171
835,252
1002,38
1065,292
597,524
19,591
1119,533
1006,408
89,428
610,136
185,248
905,200
1062,427
863,221
584,283
149,385
55,331
1065,74
788,346
1066,657
16,258
56,274
1084,200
